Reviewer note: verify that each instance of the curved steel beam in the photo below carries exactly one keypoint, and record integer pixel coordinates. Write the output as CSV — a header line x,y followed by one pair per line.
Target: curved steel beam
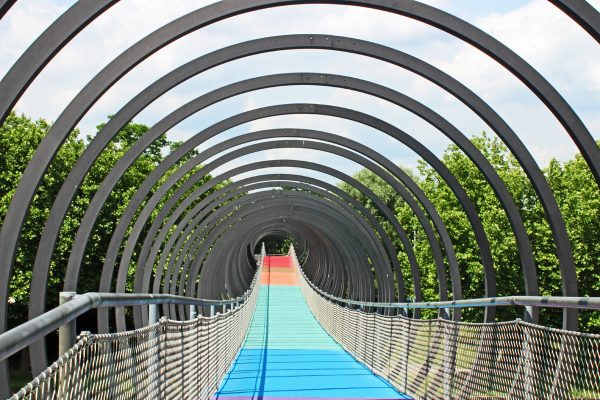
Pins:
x,y
44,48
327,110
348,243
187,225
193,217
423,13
203,17
195,66
5,5
45,252
102,194
280,202
203,203
175,196
583,13
157,174
190,234
208,221
215,217
337,269
155,199
365,285
216,180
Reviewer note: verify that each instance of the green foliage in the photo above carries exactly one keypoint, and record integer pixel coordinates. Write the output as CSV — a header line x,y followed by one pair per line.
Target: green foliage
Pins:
x,y
579,200
19,137
578,197
276,244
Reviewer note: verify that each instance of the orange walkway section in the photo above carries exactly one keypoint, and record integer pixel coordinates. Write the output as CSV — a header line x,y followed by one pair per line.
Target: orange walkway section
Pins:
x,y
278,270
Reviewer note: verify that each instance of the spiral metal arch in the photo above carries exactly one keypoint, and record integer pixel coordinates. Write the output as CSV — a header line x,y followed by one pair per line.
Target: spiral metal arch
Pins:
x,y
335,255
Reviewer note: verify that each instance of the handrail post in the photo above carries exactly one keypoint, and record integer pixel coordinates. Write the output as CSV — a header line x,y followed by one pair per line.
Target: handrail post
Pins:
x,y
152,314
528,314
193,311
67,332
212,310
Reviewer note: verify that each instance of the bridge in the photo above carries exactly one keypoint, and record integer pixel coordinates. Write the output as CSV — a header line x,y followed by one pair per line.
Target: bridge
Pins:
x,y
190,305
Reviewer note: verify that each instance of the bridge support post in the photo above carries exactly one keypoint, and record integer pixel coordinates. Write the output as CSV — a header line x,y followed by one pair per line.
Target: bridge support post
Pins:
x,y
193,311
444,313
152,314
66,333
528,314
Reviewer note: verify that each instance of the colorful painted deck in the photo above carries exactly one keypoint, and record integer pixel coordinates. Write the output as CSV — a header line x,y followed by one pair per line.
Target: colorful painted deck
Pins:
x,y
288,355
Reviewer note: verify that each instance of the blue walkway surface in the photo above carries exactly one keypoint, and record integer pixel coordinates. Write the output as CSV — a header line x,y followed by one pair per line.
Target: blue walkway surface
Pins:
x,y
288,355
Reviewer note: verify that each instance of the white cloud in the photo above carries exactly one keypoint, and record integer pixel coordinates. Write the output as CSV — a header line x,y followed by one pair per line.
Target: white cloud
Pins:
x,y
559,49
538,31
22,25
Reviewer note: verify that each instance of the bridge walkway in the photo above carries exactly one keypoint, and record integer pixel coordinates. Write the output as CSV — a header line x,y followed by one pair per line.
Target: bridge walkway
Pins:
x,y
288,355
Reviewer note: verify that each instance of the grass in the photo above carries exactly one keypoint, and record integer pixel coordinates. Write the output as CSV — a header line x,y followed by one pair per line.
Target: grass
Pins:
x,y
18,380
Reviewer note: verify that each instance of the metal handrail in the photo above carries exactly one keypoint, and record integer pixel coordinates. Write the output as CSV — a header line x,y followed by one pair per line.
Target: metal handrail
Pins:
x,y
34,329
28,332
588,303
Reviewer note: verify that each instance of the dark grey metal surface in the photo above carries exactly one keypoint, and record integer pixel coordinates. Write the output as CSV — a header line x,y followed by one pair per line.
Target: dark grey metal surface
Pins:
x,y
265,181
200,223
150,204
44,254
583,13
61,31
5,5
325,110
555,220
235,171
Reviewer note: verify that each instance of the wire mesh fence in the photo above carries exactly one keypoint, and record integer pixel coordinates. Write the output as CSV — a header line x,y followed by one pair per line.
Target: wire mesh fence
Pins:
x,y
166,360
442,359
426,359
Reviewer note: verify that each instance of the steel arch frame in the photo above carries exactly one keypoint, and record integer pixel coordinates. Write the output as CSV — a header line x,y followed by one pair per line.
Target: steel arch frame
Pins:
x,y
528,266
193,217
212,220
84,12
190,235
208,222
529,281
356,231
240,152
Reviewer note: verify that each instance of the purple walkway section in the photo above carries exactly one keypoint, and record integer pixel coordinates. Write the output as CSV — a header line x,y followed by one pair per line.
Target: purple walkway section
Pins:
x,y
257,397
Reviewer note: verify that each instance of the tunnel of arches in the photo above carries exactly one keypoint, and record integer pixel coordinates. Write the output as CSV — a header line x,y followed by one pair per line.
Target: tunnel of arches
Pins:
x,y
183,234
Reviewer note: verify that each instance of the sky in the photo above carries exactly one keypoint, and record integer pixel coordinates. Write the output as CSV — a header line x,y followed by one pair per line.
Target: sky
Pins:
x,y
540,33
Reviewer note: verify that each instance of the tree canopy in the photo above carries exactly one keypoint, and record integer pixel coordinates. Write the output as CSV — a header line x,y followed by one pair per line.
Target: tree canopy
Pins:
x,y
575,190
19,137
572,182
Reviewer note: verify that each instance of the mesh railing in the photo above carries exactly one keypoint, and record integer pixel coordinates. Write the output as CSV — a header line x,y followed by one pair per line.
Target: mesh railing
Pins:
x,y
166,360
435,359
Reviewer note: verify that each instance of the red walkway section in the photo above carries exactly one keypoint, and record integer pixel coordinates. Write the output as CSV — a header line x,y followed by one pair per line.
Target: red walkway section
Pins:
x,y
278,270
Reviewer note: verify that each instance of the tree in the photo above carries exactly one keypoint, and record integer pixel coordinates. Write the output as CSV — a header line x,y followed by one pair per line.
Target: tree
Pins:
x,y
579,200
578,197
19,137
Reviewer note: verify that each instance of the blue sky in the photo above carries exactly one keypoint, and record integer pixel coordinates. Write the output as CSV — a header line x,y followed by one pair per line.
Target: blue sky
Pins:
x,y
535,29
